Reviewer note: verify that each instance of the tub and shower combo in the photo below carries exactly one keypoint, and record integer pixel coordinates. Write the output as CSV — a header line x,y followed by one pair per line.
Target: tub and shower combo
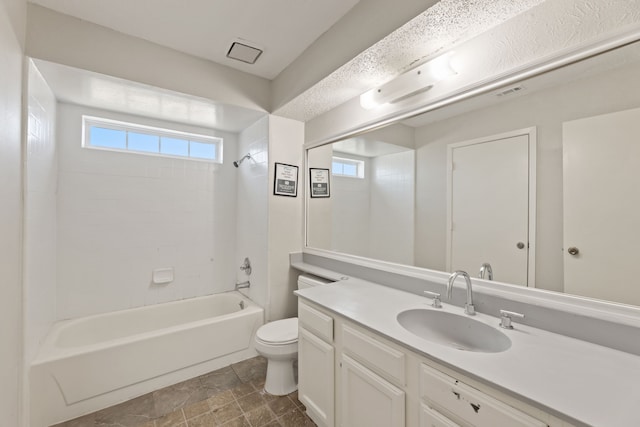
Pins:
x,y
97,361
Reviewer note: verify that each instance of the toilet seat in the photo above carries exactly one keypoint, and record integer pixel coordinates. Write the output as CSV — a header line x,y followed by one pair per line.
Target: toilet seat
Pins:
x,y
280,332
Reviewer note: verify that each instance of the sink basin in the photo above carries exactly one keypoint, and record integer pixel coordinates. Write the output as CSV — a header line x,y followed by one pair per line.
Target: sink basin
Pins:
x,y
457,331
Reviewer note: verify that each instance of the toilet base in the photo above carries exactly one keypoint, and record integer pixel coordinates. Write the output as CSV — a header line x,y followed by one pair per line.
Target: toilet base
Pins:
x,y
280,379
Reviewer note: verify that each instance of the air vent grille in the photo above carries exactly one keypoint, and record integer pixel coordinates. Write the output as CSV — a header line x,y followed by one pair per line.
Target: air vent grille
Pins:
x,y
510,91
244,52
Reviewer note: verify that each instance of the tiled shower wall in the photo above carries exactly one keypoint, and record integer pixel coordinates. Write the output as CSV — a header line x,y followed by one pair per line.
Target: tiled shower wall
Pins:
x,y
373,217
350,213
41,170
392,207
252,208
121,215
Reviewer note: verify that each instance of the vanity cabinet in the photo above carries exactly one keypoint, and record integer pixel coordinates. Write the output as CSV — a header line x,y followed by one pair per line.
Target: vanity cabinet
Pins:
x,y
429,417
445,399
367,399
355,377
316,359
372,381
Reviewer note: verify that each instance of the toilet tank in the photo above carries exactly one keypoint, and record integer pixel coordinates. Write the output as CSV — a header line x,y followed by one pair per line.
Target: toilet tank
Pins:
x,y
307,281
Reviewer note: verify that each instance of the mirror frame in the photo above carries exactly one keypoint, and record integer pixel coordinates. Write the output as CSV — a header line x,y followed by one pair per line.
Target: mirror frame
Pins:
x,y
540,66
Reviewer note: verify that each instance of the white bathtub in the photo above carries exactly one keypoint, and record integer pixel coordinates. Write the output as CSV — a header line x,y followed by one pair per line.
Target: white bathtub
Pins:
x,y
90,363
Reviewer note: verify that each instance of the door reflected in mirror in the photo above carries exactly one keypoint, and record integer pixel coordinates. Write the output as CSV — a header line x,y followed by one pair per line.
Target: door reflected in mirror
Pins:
x,y
411,207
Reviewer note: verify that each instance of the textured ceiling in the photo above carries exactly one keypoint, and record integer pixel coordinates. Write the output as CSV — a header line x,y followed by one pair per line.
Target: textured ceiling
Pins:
x,y
437,29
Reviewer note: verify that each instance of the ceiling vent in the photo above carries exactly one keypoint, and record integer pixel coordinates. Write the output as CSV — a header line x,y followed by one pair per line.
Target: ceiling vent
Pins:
x,y
510,91
243,52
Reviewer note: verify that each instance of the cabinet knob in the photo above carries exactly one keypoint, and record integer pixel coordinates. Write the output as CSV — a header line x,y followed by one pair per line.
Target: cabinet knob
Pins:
x,y
520,245
573,250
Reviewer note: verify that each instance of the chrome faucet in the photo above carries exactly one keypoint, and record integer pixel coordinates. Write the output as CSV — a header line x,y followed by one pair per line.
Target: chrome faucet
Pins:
x,y
486,268
468,307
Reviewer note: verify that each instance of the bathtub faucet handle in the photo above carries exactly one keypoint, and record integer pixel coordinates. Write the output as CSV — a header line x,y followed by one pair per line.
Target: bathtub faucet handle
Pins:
x,y
246,266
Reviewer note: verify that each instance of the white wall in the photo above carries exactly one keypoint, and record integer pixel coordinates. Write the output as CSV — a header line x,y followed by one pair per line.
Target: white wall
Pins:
x,y
252,209
41,184
121,215
286,138
12,23
547,109
391,211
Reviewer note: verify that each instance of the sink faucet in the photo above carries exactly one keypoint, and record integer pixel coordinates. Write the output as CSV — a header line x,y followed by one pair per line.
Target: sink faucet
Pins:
x,y
468,307
486,268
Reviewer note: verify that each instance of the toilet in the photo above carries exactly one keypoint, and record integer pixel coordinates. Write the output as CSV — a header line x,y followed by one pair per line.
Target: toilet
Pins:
x,y
278,342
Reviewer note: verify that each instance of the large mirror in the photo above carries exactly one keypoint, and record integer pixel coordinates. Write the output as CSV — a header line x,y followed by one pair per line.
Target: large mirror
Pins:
x,y
540,179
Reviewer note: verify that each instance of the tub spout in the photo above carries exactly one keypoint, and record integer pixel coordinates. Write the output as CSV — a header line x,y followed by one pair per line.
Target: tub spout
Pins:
x,y
243,285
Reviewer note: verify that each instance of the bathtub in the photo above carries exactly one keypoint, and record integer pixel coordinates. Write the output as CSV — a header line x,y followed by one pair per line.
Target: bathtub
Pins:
x,y
93,362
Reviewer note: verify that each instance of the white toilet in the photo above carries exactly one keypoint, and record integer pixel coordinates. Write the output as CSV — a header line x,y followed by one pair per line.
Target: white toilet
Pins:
x,y
278,343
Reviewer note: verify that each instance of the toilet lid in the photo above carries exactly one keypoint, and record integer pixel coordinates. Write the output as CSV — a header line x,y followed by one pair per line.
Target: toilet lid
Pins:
x,y
283,331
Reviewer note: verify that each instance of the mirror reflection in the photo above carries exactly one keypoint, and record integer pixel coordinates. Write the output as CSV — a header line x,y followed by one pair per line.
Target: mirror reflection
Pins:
x,y
539,179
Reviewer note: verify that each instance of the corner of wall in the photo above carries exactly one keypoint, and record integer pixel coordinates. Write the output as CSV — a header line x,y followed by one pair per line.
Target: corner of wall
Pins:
x,y
286,138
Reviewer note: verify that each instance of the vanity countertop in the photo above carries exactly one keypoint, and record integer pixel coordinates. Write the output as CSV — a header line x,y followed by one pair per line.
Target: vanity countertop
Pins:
x,y
588,383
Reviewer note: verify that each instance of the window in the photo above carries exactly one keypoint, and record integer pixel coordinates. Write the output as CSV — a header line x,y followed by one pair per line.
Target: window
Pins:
x,y
114,135
347,167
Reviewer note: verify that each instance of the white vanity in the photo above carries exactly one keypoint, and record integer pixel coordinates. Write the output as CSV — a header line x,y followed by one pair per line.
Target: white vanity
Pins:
x,y
509,174
358,366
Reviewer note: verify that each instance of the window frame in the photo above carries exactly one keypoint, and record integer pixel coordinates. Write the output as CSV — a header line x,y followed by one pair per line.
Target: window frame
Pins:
x,y
360,167
118,125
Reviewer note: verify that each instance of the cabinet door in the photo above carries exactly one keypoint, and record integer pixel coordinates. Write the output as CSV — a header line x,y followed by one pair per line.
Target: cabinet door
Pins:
x,y
367,399
315,377
431,418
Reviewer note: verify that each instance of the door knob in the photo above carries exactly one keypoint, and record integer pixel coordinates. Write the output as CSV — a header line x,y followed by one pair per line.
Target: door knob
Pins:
x,y
520,245
573,250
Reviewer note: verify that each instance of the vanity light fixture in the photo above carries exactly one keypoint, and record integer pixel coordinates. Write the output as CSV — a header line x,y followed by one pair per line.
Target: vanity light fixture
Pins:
x,y
409,84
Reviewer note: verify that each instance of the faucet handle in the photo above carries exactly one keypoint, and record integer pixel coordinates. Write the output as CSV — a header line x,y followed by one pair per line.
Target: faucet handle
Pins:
x,y
507,316
437,303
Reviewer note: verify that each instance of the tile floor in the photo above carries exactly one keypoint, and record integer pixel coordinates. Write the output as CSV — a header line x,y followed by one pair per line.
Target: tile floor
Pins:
x,y
229,397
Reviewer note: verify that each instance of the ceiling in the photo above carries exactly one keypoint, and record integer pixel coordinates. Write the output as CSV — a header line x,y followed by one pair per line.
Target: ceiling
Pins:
x,y
437,29
284,29
206,28
366,146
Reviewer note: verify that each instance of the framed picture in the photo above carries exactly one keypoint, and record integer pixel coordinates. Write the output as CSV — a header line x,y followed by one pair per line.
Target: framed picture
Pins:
x,y
319,179
285,180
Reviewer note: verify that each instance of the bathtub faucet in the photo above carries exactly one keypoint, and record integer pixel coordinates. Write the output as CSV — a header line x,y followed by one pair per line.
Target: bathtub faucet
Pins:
x,y
243,285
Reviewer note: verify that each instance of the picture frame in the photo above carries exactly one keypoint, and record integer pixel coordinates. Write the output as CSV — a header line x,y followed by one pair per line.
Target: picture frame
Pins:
x,y
319,181
285,180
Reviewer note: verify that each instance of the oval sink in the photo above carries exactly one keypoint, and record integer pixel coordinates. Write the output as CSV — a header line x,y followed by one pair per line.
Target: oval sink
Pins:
x,y
456,331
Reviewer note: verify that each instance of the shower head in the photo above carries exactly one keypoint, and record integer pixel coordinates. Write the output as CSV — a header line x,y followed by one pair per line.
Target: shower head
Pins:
x,y
237,163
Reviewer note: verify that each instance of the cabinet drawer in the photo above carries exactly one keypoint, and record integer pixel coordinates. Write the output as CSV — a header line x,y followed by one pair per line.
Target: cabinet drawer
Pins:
x,y
387,361
467,405
315,321
431,418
